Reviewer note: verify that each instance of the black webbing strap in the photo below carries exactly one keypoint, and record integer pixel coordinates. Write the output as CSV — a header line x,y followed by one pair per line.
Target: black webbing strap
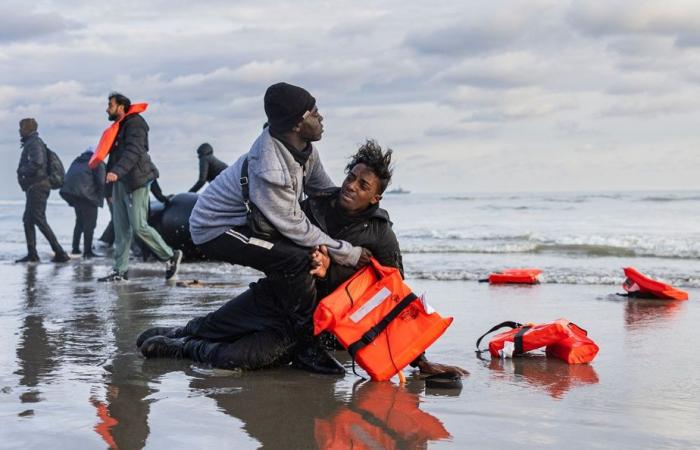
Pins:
x,y
494,328
376,330
244,184
518,340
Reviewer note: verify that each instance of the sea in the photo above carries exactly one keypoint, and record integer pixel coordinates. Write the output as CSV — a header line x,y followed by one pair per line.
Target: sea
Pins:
x,y
71,376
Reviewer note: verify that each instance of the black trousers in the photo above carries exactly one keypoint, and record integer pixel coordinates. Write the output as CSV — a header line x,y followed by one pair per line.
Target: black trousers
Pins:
x,y
247,332
85,222
35,215
288,290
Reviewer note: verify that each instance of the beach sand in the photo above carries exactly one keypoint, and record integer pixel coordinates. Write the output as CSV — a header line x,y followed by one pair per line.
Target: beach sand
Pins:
x,y
71,376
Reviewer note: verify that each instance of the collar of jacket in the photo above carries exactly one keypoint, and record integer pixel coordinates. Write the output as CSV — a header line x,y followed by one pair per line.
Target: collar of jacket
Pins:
x,y
32,135
300,156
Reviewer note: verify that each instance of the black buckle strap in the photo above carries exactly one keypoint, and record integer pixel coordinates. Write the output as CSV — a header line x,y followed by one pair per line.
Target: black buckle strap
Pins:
x,y
510,324
243,180
518,340
376,330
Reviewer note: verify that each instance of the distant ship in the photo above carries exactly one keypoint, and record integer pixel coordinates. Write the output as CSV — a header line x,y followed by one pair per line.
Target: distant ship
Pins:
x,y
398,190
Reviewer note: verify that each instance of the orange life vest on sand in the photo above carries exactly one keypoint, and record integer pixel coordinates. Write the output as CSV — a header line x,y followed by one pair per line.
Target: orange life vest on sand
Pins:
x,y
563,339
379,320
638,285
110,134
515,276
380,415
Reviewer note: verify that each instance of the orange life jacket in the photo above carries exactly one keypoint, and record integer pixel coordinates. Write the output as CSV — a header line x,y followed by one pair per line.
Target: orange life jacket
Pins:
x,y
515,276
563,339
379,320
110,134
382,416
638,285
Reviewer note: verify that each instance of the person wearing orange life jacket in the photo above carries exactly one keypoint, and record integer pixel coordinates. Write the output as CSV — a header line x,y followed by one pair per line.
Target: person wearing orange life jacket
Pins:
x,y
245,332
131,171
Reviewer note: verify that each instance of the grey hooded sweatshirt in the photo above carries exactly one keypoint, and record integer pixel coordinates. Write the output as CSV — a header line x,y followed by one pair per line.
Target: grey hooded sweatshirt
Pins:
x,y
276,187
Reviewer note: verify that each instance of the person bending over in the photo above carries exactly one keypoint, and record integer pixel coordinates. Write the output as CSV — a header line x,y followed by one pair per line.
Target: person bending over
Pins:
x,y
251,331
209,166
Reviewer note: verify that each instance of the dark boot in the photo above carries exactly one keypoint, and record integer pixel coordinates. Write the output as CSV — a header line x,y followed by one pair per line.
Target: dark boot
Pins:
x,y
28,258
87,245
312,357
60,257
30,236
171,332
163,347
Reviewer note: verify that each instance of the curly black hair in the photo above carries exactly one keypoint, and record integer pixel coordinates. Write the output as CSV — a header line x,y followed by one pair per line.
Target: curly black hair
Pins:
x,y
371,155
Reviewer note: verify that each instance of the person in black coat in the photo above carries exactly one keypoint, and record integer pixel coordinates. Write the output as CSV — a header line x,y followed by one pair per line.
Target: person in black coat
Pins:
x,y
84,190
33,178
209,166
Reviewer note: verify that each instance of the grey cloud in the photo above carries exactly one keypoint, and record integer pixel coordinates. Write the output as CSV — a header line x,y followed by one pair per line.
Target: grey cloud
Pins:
x,y
19,25
465,39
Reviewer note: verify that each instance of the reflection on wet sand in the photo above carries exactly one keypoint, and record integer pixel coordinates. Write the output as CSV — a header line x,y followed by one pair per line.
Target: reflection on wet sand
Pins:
x,y
640,312
550,375
379,415
285,408
36,351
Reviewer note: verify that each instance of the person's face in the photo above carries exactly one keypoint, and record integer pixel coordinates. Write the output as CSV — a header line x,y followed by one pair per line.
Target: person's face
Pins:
x,y
114,111
360,189
310,128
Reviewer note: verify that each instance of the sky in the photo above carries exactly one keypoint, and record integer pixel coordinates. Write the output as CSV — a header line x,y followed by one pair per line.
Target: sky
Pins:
x,y
472,96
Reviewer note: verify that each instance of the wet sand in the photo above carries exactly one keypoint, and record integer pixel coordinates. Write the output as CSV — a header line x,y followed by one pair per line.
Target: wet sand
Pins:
x,y
71,376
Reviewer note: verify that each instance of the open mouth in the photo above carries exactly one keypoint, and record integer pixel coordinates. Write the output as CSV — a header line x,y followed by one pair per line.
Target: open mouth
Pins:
x,y
346,196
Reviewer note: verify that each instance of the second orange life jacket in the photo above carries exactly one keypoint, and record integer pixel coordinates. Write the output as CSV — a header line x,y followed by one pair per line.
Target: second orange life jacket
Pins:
x,y
381,322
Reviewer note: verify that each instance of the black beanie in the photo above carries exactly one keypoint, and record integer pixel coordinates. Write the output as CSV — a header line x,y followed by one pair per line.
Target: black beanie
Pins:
x,y
205,149
27,126
285,105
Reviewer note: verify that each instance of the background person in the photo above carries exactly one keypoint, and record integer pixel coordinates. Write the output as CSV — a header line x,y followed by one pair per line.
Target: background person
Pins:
x,y
209,166
84,190
33,178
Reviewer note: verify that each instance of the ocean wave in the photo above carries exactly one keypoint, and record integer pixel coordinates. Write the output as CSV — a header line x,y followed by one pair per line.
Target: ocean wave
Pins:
x,y
671,198
681,281
593,247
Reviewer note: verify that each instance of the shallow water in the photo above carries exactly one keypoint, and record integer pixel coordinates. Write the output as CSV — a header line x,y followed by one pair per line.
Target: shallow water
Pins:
x,y
71,377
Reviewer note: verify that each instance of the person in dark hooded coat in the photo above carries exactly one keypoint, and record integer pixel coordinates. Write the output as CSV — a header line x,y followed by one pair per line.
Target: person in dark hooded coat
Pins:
x,y
209,166
84,190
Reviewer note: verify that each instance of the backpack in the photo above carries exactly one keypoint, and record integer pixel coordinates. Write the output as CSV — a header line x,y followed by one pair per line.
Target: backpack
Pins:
x,y
54,169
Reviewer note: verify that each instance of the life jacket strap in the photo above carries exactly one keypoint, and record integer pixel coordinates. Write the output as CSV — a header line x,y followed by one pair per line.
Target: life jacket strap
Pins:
x,y
518,340
376,330
509,323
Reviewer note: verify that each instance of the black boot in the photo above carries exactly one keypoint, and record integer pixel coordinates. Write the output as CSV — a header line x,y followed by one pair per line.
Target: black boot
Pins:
x,y
77,231
60,257
171,332
87,245
28,258
312,357
163,347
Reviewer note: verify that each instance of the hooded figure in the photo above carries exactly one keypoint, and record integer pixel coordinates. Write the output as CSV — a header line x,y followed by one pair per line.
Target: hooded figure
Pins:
x,y
84,190
209,166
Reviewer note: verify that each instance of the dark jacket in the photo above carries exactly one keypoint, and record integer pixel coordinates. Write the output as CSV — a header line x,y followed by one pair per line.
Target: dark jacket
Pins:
x,y
129,157
32,167
209,166
374,234
83,183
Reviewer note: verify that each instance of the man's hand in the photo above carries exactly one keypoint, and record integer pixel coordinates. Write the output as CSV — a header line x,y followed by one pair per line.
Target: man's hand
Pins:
x,y
320,262
431,368
111,177
364,258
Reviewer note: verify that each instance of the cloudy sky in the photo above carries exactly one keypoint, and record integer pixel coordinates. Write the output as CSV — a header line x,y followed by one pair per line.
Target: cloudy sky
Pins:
x,y
472,96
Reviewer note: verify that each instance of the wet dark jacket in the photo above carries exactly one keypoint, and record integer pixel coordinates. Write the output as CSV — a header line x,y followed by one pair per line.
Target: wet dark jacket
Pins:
x,y
374,234
32,167
129,157
209,166
83,183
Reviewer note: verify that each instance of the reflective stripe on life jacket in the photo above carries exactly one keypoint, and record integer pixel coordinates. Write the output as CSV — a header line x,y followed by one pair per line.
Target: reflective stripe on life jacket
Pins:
x,y
563,339
639,285
379,320
110,134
